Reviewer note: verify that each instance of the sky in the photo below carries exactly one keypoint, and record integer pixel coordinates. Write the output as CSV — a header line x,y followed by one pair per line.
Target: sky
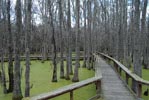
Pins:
x,y
37,15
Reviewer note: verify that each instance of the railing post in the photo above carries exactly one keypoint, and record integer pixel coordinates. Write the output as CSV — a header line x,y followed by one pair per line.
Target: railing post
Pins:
x,y
98,86
94,59
116,66
120,71
132,85
127,78
71,95
139,90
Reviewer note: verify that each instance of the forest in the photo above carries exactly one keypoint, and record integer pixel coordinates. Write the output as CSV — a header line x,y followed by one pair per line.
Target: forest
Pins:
x,y
67,33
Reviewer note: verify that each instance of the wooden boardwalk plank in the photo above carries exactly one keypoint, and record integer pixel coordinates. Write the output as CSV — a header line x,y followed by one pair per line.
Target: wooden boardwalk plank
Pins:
x,y
112,86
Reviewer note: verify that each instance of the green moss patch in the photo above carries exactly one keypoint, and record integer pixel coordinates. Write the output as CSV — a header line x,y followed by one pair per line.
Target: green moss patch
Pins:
x,y
41,75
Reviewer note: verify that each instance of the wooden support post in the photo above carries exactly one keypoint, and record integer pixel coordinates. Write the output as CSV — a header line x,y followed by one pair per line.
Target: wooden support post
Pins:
x,y
71,95
94,60
132,87
120,71
98,86
139,90
135,87
127,78
116,67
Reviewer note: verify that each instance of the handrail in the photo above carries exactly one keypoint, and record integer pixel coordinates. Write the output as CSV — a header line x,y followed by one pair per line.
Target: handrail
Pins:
x,y
129,74
70,88
66,89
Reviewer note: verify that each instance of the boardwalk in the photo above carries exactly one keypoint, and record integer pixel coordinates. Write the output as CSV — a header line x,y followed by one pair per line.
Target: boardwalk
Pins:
x,y
112,86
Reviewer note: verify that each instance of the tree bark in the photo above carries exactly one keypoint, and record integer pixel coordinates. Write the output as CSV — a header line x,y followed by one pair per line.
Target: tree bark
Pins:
x,y
54,77
75,77
148,45
120,34
17,93
69,59
137,54
144,42
70,38
3,72
10,50
2,43
85,35
131,32
89,36
28,32
61,40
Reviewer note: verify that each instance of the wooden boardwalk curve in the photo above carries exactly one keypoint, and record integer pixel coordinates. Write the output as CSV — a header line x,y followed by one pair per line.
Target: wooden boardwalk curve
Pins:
x,y
112,86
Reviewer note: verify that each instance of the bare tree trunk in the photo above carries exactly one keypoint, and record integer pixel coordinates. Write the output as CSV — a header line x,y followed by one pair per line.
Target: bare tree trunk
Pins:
x,y
54,78
27,73
95,24
85,35
17,93
94,32
3,72
76,77
28,32
131,32
2,39
137,53
0,8
61,40
45,25
89,35
126,36
147,49
120,34
69,59
144,35
44,44
10,64
116,29
70,38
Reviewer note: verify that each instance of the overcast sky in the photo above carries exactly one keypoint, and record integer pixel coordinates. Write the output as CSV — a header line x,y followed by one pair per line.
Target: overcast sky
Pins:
x,y
36,7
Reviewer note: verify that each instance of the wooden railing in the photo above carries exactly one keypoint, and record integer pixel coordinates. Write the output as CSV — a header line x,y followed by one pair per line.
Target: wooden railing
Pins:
x,y
70,88
128,74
